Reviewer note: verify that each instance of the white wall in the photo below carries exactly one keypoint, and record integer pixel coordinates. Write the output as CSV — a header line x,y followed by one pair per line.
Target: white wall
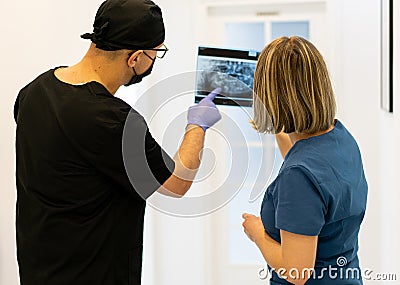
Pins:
x,y
389,168
355,66
354,62
38,35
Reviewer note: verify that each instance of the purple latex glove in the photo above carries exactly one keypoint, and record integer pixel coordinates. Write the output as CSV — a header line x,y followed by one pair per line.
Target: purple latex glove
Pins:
x,y
205,114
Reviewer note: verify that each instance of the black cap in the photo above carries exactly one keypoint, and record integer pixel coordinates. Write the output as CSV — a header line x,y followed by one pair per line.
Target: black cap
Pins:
x,y
127,24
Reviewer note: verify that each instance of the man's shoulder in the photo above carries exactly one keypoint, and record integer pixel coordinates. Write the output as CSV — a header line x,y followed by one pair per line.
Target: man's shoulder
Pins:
x,y
117,110
44,76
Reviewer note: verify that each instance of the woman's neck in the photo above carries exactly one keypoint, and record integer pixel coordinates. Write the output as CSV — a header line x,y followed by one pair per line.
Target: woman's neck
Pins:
x,y
295,137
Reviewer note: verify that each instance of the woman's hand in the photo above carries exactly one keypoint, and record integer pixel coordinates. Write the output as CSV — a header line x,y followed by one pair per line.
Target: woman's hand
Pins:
x,y
296,254
253,227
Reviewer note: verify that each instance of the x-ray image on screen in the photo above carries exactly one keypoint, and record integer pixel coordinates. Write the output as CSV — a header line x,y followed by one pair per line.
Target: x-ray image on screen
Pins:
x,y
232,70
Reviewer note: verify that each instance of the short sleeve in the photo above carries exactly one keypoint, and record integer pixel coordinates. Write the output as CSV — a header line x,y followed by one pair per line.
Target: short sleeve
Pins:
x,y
299,207
130,156
16,109
147,165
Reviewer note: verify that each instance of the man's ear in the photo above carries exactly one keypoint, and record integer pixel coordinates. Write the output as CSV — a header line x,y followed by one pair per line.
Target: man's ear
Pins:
x,y
133,58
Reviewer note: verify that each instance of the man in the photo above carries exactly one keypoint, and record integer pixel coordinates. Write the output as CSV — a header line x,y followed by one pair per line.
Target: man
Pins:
x,y
79,211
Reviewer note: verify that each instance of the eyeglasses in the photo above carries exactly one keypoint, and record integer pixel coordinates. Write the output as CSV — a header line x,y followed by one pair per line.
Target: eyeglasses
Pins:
x,y
160,51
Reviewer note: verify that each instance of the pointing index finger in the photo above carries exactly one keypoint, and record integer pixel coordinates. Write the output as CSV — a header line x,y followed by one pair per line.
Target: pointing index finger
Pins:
x,y
214,93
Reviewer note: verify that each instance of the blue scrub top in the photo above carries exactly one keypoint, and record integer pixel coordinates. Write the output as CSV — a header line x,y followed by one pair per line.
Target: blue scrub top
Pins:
x,y
321,191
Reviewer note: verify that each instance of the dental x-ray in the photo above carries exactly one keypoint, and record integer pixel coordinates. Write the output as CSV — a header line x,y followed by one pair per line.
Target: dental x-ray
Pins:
x,y
232,70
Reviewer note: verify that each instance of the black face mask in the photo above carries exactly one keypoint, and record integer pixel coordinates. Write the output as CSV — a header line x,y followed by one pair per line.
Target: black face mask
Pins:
x,y
138,78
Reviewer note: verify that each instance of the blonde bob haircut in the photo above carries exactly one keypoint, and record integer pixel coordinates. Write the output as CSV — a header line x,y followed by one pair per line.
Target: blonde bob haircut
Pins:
x,y
292,89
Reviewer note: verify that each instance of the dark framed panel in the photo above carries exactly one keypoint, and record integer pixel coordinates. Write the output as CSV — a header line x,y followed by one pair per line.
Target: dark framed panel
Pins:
x,y
387,48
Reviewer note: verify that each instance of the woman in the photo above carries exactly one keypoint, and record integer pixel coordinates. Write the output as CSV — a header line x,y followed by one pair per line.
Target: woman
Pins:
x,y
311,214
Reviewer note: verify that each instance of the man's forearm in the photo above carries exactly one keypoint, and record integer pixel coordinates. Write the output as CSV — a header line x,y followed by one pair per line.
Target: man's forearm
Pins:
x,y
188,156
187,162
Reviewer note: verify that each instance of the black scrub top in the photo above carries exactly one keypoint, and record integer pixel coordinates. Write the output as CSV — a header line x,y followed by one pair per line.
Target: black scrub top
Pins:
x,y
79,218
